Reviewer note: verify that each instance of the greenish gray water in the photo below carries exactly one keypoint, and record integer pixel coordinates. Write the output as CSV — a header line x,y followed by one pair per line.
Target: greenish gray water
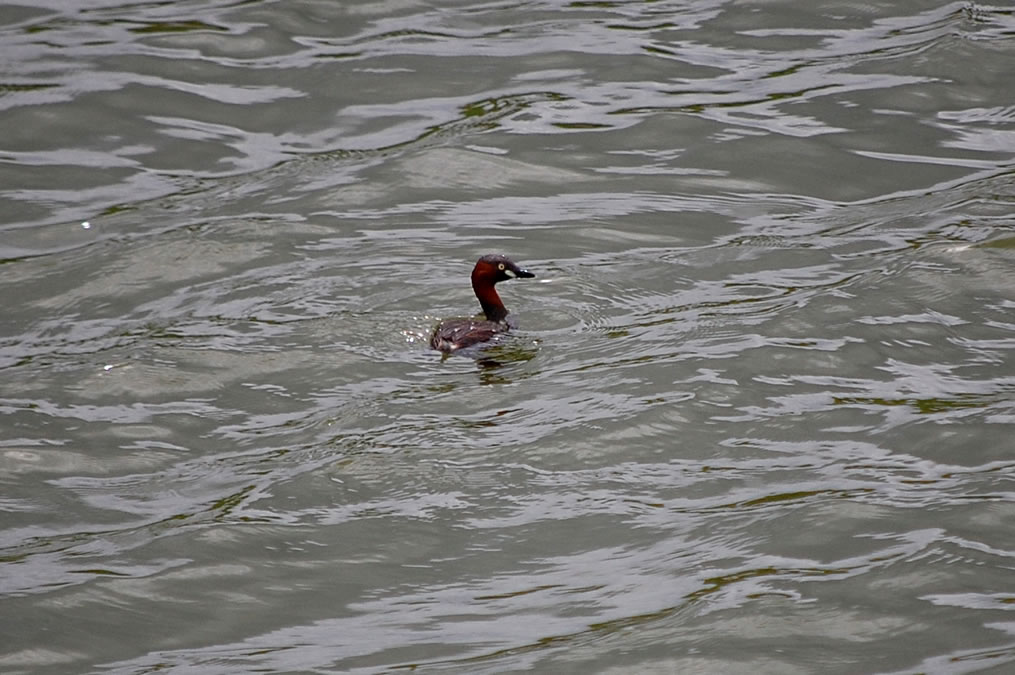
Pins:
x,y
757,416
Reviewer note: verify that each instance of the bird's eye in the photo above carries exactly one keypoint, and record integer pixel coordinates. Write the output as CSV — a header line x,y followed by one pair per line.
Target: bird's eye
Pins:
x,y
500,266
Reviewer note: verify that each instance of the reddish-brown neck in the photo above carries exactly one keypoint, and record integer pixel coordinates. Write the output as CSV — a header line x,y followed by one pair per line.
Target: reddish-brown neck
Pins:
x,y
483,285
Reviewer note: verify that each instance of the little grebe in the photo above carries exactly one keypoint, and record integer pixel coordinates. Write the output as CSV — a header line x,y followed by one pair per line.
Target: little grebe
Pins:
x,y
454,334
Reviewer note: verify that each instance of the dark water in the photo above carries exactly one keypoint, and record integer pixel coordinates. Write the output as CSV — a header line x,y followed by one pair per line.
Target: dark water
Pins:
x,y
758,417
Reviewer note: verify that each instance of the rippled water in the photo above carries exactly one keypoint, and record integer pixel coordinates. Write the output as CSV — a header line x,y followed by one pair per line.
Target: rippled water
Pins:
x,y
757,418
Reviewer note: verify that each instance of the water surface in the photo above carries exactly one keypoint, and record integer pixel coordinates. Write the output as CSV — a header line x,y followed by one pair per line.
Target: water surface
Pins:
x,y
757,417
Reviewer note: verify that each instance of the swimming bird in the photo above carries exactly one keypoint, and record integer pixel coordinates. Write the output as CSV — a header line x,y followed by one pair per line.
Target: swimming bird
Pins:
x,y
453,334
